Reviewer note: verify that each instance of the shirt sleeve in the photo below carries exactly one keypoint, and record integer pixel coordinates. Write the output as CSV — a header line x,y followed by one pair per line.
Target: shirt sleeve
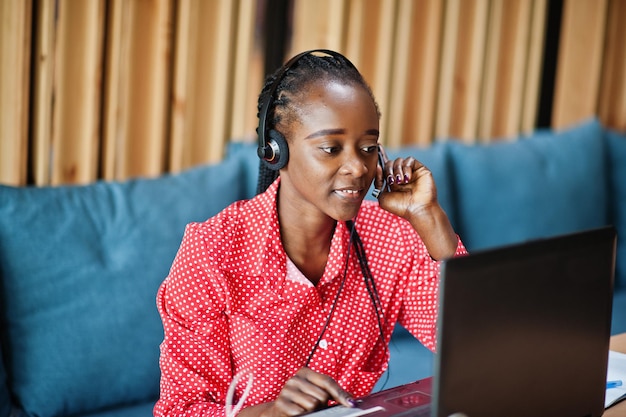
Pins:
x,y
195,353
419,308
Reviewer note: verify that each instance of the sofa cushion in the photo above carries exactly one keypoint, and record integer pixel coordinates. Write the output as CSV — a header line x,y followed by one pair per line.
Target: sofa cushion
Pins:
x,y
617,181
79,271
547,184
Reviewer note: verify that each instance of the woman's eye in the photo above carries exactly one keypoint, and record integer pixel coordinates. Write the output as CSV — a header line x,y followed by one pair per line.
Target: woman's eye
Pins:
x,y
370,149
329,149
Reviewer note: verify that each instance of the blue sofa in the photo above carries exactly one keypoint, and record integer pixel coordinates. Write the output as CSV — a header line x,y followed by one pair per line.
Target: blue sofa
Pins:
x,y
80,265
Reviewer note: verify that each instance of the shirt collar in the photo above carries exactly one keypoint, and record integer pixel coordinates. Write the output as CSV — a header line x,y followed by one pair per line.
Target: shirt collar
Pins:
x,y
272,261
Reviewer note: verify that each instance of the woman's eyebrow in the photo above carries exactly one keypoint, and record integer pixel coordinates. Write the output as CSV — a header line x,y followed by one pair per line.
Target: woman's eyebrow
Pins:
x,y
328,132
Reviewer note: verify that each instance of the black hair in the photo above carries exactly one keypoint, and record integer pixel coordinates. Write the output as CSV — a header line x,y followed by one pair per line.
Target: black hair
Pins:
x,y
294,81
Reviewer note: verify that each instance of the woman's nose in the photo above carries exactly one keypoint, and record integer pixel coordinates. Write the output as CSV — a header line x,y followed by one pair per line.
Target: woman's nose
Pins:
x,y
354,164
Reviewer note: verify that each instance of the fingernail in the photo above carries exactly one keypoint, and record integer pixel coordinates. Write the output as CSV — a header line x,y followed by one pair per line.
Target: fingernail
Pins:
x,y
390,179
406,178
398,179
352,402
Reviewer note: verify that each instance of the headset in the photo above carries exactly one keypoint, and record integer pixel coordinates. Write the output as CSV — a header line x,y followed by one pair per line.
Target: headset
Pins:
x,y
272,149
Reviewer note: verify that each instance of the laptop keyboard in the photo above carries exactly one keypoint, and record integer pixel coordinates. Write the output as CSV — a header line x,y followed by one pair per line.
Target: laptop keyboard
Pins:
x,y
342,411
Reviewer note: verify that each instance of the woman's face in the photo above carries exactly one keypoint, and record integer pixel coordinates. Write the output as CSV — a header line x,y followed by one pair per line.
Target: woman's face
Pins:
x,y
332,150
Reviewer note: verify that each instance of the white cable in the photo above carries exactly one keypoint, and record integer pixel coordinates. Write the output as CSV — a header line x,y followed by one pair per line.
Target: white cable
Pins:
x,y
232,411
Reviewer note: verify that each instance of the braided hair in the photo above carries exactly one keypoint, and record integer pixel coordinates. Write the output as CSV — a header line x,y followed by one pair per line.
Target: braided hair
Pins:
x,y
293,85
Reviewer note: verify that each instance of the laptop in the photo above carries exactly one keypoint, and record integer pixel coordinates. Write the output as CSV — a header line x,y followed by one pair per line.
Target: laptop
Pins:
x,y
523,331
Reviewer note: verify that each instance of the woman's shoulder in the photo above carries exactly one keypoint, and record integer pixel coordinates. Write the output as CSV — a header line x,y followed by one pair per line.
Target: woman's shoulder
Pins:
x,y
235,216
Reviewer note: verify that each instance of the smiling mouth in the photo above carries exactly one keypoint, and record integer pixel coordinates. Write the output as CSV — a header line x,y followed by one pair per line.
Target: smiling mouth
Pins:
x,y
353,194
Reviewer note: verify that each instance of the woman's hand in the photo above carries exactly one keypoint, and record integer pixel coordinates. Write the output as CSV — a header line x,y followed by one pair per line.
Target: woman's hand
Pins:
x,y
410,187
411,194
303,393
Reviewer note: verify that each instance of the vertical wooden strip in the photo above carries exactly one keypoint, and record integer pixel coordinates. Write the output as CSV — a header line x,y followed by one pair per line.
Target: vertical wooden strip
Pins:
x,y
361,34
42,106
384,59
491,69
448,63
579,60
15,32
77,91
399,74
469,69
612,100
148,77
179,110
418,109
532,83
222,82
464,48
506,56
115,89
247,76
203,80
318,24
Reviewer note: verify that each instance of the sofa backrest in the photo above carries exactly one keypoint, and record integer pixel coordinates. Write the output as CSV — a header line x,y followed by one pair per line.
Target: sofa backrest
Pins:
x,y
79,271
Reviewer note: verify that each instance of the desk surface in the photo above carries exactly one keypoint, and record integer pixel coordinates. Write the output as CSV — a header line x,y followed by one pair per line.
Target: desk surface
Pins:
x,y
618,344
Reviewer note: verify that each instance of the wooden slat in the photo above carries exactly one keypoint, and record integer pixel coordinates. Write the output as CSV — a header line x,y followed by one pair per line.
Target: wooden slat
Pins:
x,y
398,80
612,100
318,24
464,32
362,32
147,62
505,65
203,81
43,103
78,61
381,81
579,61
216,131
248,75
532,85
15,35
413,116
179,108
114,115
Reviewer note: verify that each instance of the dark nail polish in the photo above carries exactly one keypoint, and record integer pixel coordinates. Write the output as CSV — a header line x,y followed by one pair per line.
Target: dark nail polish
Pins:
x,y
352,402
398,179
406,178
390,179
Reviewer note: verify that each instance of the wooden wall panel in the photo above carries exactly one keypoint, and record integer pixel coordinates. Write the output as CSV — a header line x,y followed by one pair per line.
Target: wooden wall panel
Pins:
x,y
145,82
612,105
15,35
505,67
465,30
413,105
317,24
123,88
247,75
203,78
77,86
43,80
534,66
579,61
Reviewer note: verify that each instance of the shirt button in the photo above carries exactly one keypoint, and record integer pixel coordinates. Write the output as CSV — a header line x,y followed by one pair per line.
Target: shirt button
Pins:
x,y
323,344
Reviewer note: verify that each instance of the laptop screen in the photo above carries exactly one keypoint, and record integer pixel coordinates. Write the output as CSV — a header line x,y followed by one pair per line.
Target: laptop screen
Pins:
x,y
524,329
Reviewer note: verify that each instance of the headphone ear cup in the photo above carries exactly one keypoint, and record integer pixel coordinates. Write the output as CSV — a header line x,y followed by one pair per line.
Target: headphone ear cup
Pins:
x,y
278,144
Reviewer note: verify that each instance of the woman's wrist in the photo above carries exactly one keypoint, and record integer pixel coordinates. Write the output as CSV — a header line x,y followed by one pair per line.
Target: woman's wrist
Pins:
x,y
432,224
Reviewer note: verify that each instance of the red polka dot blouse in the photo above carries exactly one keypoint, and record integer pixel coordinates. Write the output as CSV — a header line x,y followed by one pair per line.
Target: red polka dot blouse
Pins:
x,y
233,304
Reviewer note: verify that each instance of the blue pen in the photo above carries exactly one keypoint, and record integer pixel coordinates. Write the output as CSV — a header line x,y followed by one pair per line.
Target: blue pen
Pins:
x,y
614,384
